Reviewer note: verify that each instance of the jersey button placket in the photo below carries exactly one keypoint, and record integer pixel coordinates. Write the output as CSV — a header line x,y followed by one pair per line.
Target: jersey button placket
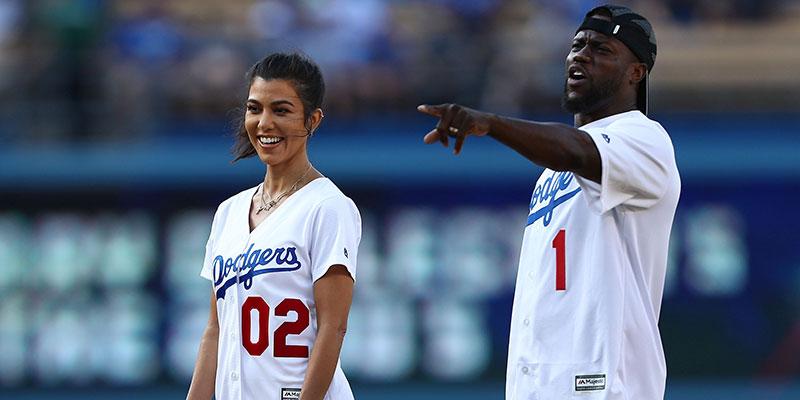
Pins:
x,y
529,370
236,331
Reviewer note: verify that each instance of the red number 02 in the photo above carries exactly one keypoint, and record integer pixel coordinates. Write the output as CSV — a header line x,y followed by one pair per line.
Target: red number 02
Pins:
x,y
281,349
559,243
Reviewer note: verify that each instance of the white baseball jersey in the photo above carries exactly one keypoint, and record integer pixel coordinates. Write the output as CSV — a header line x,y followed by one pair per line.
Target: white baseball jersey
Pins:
x,y
263,282
591,272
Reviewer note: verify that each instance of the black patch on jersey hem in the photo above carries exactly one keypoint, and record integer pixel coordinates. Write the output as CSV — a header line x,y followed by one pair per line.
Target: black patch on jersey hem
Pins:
x,y
587,383
290,393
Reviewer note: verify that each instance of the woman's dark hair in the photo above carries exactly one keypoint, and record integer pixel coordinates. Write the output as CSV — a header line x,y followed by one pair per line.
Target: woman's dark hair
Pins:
x,y
301,72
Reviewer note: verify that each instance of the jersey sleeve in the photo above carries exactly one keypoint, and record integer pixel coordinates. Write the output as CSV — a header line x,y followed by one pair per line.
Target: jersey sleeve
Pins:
x,y
207,271
638,162
335,235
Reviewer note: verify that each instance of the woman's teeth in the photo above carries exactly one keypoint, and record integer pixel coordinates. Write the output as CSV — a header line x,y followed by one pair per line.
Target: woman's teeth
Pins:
x,y
269,140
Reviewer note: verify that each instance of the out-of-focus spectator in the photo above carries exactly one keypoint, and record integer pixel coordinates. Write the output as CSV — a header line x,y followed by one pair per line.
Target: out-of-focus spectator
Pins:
x,y
208,83
143,44
11,24
273,19
60,74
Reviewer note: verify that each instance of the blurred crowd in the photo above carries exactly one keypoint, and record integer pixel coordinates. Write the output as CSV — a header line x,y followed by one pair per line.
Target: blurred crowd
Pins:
x,y
96,69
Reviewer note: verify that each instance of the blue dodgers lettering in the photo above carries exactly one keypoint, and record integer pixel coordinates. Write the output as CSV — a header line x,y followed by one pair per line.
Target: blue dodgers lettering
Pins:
x,y
252,263
546,195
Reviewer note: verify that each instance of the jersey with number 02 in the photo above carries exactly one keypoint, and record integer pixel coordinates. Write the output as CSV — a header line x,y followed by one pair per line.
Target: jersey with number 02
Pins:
x,y
591,273
263,282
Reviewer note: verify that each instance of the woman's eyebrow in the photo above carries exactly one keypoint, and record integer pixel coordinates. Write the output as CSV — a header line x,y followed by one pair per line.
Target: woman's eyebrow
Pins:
x,y
281,102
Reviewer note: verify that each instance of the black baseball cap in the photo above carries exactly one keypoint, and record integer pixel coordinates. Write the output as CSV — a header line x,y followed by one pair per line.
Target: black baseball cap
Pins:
x,y
631,29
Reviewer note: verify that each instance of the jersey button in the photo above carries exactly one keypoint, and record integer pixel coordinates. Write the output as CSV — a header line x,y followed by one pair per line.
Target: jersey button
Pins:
x,y
526,322
525,370
234,376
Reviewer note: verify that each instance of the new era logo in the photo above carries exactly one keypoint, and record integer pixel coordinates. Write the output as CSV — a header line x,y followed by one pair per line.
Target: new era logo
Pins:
x,y
586,383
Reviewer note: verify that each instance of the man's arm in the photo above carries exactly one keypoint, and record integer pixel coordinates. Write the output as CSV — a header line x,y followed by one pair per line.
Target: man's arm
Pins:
x,y
556,146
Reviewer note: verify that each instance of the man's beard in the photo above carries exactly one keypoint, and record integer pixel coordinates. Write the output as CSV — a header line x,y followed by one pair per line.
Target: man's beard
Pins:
x,y
597,95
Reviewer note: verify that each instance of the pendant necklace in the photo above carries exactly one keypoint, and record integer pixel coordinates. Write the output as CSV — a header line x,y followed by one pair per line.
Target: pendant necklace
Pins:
x,y
273,202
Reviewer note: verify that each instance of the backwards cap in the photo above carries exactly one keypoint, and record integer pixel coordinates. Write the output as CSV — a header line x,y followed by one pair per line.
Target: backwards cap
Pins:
x,y
631,29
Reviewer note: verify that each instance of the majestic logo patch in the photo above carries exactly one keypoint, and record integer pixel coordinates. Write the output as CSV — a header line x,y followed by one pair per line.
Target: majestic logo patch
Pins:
x,y
251,263
290,394
587,383
345,253
550,194
606,138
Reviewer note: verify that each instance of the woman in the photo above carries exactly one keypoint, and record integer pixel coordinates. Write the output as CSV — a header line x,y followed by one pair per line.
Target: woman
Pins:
x,y
281,256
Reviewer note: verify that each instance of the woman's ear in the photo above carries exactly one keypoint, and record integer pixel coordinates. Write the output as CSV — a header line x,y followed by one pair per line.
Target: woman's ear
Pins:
x,y
315,120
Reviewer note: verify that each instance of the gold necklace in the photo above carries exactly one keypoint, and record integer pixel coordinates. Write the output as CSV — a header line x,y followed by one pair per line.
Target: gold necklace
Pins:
x,y
273,203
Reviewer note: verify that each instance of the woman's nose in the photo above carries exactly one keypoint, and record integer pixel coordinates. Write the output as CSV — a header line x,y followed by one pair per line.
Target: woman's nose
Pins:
x,y
265,121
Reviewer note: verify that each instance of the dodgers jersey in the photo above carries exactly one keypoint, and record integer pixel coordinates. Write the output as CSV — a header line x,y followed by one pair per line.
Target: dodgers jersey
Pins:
x,y
264,286
591,273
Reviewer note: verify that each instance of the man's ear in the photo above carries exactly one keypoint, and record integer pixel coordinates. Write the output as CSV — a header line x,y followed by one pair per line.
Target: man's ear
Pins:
x,y
637,72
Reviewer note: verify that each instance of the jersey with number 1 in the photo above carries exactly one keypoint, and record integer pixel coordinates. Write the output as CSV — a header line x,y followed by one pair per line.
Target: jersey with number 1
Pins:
x,y
591,273
264,286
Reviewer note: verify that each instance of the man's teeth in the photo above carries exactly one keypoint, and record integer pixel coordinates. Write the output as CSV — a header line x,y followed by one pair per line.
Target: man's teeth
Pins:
x,y
269,140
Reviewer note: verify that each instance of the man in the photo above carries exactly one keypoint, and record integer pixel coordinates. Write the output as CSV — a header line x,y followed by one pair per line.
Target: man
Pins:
x,y
594,252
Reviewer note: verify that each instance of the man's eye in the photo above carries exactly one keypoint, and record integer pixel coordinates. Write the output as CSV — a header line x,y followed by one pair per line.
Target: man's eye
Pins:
x,y
252,108
281,111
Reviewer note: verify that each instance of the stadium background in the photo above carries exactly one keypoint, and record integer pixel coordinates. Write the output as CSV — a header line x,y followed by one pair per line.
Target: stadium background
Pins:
x,y
114,123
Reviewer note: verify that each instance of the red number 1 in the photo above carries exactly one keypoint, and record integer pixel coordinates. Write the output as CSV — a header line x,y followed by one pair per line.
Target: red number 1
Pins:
x,y
559,243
